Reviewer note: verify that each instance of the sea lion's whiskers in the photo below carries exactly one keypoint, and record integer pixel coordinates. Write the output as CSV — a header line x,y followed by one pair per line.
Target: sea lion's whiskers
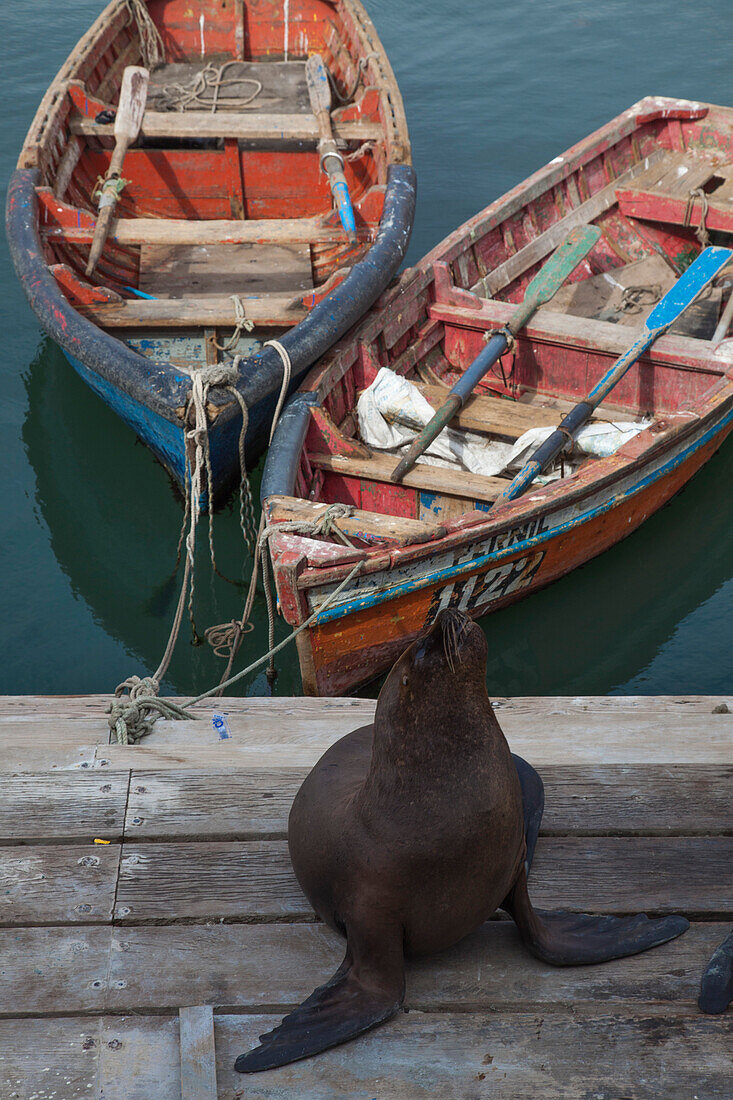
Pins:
x,y
454,627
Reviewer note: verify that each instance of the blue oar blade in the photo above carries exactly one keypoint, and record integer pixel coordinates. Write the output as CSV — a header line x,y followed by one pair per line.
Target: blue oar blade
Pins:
x,y
707,265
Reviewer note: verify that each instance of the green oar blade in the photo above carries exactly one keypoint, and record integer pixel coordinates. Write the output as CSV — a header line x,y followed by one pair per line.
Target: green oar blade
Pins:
x,y
562,264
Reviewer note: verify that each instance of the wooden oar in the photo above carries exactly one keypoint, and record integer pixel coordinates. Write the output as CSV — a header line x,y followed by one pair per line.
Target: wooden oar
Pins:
x,y
545,284
665,313
130,111
332,162
724,323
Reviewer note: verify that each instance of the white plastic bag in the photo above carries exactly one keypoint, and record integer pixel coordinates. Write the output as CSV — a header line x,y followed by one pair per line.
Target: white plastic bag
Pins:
x,y
392,403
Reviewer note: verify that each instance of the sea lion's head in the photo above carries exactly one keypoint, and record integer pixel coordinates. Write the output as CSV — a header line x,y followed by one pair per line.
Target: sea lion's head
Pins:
x,y
437,685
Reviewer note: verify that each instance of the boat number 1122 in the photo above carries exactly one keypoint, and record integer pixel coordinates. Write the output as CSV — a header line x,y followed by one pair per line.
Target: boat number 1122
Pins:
x,y
483,588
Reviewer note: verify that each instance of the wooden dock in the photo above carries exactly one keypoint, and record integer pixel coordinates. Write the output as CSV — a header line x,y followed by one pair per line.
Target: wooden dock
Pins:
x,y
191,902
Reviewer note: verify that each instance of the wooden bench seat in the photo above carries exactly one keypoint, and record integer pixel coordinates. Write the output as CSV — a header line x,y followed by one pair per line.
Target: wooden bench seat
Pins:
x,y
184,231
272,310
358,525
434,479
662,193
500,417
233,124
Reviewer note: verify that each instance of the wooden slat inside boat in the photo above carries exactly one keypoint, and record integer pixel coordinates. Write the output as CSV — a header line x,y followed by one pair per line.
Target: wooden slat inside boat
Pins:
x,y
654,181
226,214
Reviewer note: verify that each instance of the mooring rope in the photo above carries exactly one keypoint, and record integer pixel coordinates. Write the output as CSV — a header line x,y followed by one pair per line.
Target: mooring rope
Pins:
x,y
132,715
360,69
132,718
228,636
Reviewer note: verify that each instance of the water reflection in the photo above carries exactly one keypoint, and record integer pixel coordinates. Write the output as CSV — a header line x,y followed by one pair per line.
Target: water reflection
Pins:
x,y
114,516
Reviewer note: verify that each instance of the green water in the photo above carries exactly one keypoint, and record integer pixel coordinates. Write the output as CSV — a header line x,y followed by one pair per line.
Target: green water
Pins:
x,y
90,521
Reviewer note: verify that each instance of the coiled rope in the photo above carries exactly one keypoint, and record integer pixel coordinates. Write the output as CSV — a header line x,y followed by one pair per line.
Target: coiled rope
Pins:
x,y
192,95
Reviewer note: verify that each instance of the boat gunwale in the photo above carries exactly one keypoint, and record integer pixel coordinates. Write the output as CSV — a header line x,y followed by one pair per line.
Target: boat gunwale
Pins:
x,y
601,477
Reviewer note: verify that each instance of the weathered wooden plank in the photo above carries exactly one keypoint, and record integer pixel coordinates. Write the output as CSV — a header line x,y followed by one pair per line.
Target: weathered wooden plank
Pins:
x,y
565,738
54,884
601,800
653,800
79,706
255,967
40,1058
272,311
558,1055
255,880
68,806
192,271
31,743
38,734
654,207
537,249
249,804
358,523
283,84
198,1058
438,479
179,231
507,419
674,352
253,126
48,971
211,880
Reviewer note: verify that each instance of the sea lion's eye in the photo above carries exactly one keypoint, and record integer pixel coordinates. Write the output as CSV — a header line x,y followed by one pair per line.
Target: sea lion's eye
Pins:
x,y
405,681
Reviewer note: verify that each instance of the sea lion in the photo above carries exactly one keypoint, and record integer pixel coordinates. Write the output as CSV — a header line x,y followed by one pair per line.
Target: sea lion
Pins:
x,y
408,834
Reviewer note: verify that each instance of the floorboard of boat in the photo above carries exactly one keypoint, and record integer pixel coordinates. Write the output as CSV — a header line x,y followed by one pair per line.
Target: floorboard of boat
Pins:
x,y
187,271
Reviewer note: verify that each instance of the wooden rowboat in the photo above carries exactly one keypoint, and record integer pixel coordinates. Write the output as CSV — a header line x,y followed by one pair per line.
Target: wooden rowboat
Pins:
x,y
225,216
646,179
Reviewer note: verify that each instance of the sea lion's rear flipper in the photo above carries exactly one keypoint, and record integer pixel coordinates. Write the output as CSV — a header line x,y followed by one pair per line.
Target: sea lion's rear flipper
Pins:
x,y
716,991
533,800
572,939
366,990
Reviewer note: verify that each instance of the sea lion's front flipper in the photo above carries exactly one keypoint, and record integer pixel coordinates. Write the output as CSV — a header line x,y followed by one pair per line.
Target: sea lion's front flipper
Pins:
x,y
533,801
573,939
716,991
366,990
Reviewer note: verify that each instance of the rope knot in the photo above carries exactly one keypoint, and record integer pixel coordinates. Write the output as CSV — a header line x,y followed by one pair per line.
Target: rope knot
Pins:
x,y
218,374
131,717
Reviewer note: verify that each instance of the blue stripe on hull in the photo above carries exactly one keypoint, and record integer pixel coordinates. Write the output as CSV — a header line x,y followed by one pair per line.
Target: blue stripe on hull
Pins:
x,y
165,439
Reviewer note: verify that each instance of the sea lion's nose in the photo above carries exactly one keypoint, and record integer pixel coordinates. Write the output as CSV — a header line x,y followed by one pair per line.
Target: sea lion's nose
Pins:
x,y
451,616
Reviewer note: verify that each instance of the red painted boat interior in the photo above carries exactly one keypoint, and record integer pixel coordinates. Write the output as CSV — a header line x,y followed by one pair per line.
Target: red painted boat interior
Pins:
x,y
208,178
432,326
